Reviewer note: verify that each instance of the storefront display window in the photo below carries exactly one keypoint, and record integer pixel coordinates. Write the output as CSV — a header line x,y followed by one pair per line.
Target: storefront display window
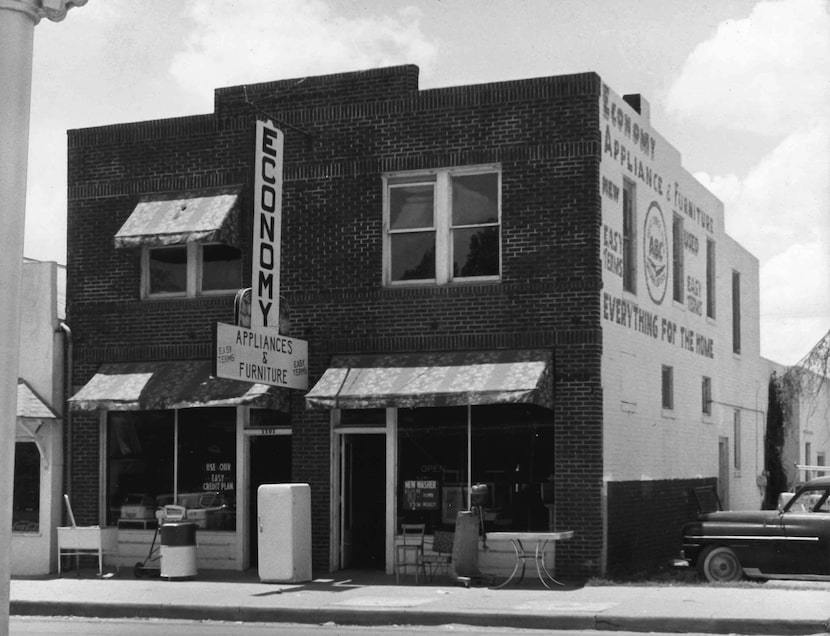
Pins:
x,y
26,499
207,466
512,452
144,471
139,463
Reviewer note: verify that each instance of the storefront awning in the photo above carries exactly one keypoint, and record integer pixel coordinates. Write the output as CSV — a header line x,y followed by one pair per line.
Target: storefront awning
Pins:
x,y
204,216
435,379
148,386
29,404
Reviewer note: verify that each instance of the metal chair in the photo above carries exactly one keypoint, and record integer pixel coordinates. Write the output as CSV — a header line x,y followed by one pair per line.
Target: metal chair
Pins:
x,y
441,556
410,552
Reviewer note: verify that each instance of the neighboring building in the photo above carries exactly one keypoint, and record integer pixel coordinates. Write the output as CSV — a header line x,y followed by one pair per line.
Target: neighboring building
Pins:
x,y
525,263
38,470
803,395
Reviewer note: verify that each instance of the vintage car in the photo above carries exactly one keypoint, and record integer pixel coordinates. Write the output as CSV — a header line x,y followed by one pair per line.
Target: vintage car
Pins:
x,y
792,542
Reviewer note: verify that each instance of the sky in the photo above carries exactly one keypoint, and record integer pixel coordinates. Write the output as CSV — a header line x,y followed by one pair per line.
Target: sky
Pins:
x,y
740,87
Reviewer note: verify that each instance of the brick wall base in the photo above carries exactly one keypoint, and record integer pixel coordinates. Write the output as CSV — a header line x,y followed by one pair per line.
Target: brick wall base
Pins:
x,y
645,520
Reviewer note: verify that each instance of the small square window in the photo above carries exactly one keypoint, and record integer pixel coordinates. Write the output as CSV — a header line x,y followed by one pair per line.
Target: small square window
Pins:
x,y
668,387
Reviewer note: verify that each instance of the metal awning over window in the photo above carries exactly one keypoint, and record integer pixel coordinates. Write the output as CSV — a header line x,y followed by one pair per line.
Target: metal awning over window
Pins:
x,y
435,379
30,405
148,386
203,216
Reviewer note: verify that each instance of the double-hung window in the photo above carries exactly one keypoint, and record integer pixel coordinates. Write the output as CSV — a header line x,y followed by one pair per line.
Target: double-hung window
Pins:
x,y
442,226
190,270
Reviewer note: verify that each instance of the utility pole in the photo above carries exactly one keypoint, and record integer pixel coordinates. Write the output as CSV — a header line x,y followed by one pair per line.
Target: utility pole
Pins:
x,y
17,26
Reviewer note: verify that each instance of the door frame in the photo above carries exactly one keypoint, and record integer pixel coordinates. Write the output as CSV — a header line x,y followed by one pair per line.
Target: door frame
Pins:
x,y
336,446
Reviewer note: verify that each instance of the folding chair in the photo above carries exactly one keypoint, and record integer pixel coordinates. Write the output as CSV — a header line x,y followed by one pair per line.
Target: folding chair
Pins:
x,y
410,552
441,556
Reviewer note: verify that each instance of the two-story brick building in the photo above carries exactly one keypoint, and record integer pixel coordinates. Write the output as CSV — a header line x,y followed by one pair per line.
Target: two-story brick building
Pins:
x,y
513,283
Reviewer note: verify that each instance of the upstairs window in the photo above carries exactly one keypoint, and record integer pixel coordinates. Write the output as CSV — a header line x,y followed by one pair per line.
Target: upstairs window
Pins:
x,y
189,242
629,238
443,226
677,259
736,311
710,278
190,270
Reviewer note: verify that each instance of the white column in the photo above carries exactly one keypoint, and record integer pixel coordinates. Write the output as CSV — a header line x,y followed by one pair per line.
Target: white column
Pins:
x,y
17,23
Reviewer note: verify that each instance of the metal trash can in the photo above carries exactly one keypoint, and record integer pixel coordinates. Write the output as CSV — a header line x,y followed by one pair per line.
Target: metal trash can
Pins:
x,y
178,550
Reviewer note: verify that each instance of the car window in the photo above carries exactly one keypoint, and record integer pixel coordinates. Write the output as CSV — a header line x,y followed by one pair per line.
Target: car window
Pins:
x,y
810,501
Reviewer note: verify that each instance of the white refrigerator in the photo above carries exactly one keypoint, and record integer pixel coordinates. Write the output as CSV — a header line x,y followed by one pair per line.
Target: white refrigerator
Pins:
x,y
284,533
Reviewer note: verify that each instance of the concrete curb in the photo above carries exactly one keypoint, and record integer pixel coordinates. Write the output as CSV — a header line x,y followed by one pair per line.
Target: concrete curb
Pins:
x,y
426,617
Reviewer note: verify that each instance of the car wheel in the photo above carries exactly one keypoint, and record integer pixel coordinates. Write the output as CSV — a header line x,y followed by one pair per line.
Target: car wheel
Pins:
x,y
720,565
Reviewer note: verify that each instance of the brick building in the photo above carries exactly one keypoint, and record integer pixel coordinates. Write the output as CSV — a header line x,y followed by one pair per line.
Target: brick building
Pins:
x,y
521,264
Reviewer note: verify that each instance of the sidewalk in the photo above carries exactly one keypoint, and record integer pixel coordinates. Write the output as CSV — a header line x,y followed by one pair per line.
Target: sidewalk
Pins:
x,y
375,599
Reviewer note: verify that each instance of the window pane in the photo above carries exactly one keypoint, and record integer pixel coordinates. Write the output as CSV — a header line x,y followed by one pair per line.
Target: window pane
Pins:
x,y
475,199
207,466
413,256
221,268
26,498
139,461
411,206
475,252
168,270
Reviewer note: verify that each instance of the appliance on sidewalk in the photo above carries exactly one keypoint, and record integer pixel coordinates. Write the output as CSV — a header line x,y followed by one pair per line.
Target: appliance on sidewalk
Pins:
x,y
284,533
172,552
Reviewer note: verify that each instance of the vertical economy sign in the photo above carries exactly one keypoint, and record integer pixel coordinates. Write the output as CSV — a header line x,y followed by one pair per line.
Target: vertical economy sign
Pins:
x,y
265,274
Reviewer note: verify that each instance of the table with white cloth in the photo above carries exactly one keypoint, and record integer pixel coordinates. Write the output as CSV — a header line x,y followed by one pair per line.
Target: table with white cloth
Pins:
x,y
532,545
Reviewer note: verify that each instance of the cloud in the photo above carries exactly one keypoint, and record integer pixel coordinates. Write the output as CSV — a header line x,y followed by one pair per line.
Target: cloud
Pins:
x,y
781,213
766,74
235,43
783,199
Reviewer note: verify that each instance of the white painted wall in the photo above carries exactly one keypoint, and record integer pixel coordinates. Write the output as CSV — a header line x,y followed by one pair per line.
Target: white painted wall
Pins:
x,y
40,364
643,441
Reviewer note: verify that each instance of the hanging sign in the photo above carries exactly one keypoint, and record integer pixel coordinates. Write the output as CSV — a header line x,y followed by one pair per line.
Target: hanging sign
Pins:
x,y
262,356
265,270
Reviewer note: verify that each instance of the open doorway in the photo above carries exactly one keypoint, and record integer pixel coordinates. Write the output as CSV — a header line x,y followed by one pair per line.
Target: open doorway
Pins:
x,y
363,501
270,462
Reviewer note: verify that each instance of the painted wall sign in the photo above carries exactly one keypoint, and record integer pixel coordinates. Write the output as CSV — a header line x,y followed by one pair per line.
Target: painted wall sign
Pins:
x,y
265,270
629,314
656,253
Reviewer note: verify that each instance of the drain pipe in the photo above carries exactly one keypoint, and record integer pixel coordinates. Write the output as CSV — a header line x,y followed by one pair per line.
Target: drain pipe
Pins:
x,y
67,412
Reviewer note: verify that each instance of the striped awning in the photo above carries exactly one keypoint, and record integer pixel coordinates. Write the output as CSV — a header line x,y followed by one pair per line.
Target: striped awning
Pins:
x,y
149,386
202,216
435,379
